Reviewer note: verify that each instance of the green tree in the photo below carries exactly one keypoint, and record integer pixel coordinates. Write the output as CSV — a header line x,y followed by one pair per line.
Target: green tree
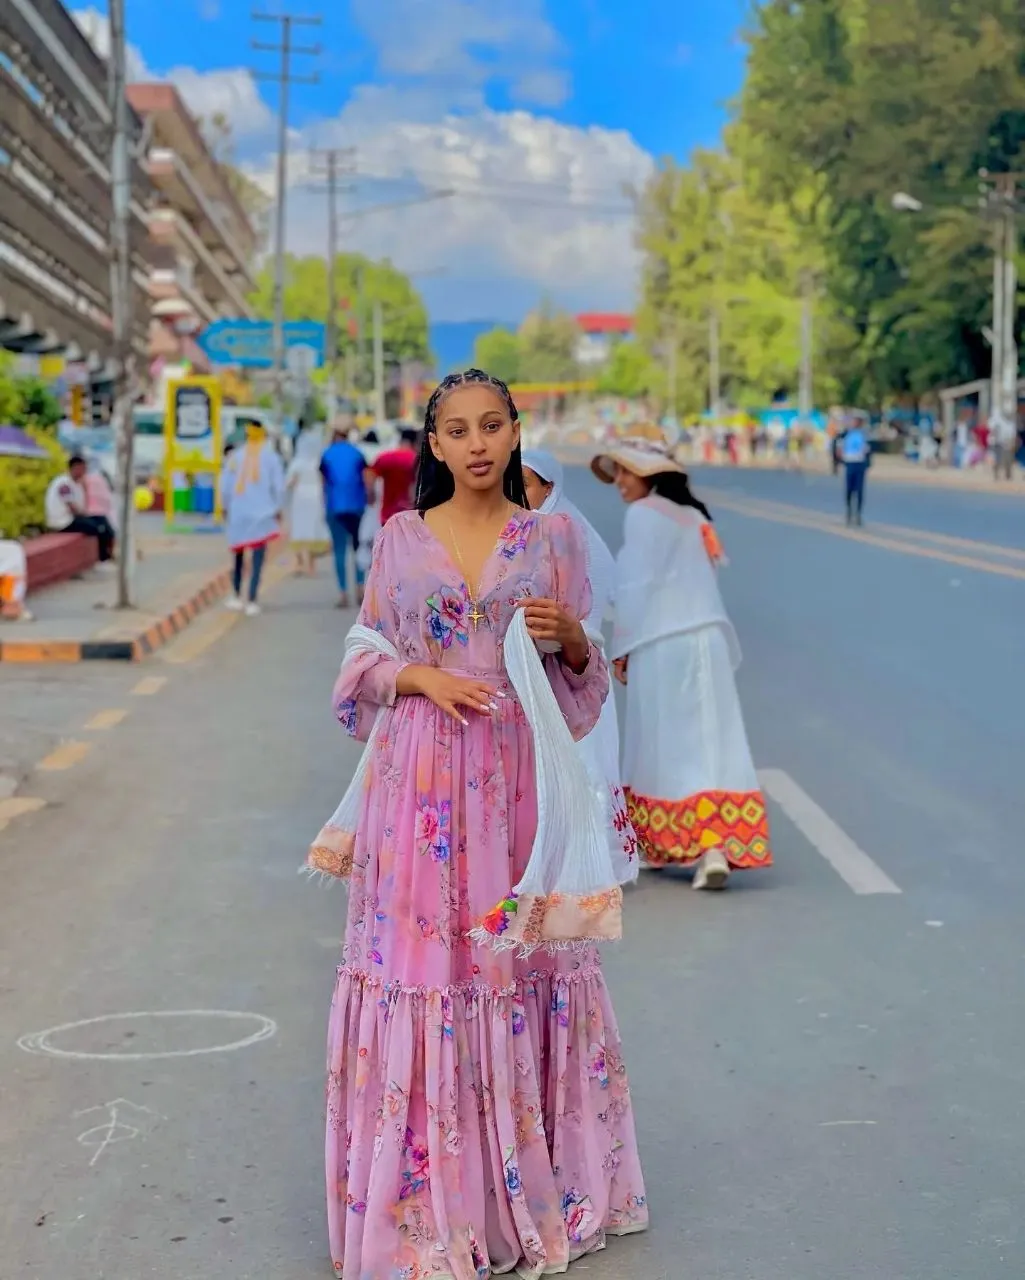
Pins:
x,y
854,100
359,283
547,342
629,373
499,352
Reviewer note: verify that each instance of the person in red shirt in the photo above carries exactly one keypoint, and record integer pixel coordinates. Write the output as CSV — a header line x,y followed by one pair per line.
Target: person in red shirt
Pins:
x,y
396,469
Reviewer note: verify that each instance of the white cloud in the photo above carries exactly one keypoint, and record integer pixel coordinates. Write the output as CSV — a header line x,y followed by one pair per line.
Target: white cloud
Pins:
x,y
458,46
538,209
232,91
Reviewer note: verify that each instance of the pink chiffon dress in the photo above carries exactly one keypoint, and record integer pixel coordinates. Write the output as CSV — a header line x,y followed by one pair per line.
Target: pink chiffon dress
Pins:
x,y
478,1112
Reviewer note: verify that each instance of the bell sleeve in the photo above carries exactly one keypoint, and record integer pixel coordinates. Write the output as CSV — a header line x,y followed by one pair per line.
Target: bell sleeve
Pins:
x,y
366,682
582,695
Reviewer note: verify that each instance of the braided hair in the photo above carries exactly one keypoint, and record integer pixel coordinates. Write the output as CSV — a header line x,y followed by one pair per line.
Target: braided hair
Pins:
x,y
434,483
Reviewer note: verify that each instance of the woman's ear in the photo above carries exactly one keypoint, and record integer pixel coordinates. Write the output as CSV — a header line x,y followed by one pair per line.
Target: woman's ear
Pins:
x,y
432,440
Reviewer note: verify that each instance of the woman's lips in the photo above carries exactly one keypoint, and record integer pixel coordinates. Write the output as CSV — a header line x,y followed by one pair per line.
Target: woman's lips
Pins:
x,y
480,468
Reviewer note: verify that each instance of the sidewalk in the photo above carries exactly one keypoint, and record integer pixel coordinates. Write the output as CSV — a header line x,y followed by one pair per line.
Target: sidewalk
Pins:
x,y
178,576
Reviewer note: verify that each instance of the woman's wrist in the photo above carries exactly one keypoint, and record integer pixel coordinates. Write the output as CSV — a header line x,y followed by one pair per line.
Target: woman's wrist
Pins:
x,y
409,681
576,653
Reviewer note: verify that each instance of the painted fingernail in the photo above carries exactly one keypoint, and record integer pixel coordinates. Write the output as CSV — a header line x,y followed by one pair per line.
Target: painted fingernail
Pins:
x,y
493,705
500,694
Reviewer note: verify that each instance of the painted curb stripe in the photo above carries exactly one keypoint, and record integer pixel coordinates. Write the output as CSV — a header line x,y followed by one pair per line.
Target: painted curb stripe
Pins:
x,y
130,648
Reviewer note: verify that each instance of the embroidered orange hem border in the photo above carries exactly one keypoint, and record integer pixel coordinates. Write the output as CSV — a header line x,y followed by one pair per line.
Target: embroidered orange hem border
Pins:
x,y
528,921
331,853
681,831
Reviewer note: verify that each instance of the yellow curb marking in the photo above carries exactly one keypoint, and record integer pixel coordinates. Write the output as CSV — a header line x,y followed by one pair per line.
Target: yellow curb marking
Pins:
x,y
14,806
856,535
149,685
106,719
195,642
65,756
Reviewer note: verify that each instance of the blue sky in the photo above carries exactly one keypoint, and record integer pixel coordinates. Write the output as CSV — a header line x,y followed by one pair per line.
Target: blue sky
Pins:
x,y
534,111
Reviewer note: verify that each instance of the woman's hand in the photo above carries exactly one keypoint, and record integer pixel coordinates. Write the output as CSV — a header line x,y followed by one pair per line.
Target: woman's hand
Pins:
x,y
619,669
449,692
550,621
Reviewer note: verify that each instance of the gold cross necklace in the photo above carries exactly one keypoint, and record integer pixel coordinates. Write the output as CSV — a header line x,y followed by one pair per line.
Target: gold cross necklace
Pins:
x,y
476,614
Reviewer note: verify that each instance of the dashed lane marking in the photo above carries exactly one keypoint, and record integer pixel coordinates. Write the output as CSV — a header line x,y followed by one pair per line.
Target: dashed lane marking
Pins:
x,y
852,864
14,806
107,719
65,756
148,686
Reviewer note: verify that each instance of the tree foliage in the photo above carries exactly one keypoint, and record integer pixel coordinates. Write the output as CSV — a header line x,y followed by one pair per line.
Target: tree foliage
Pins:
x,y
543,349
846,103
359,283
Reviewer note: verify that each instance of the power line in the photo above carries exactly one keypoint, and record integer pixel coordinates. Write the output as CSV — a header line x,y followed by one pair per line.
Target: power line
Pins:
x,y
284,78
334,163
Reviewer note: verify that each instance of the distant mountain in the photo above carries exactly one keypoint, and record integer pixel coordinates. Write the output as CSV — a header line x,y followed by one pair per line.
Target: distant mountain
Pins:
x,y
452,342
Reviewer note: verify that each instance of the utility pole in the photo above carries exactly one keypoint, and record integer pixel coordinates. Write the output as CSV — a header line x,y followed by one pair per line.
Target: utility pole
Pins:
x,y
805,395
714,372
1004,376
379,409
121,303
336,162
284,79
672,345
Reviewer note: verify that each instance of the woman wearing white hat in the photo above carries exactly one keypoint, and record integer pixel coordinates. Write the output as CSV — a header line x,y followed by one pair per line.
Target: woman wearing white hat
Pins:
x,y
690,782
543,481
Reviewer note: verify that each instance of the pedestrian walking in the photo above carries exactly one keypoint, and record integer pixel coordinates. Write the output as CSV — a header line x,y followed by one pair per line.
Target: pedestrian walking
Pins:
x,y
396,470
543,480
854,454
252,495
479,1116
344,471
307,524
692,790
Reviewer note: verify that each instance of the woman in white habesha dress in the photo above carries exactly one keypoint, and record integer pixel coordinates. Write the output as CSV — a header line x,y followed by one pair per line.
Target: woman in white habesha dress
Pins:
x,y
307,524
692,791
544,478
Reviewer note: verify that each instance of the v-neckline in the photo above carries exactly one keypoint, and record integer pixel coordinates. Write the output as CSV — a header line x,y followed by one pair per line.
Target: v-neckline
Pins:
x,y
480,593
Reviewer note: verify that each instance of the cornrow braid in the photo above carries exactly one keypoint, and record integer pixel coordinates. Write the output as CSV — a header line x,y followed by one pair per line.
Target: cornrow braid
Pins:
x,y
469,376
434,483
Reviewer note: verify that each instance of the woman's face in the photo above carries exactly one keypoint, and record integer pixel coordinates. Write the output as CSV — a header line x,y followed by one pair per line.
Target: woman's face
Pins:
x,y
474,436
631,488
537,489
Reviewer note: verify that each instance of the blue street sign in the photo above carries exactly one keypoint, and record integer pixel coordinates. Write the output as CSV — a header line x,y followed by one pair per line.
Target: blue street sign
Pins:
x,y
250,343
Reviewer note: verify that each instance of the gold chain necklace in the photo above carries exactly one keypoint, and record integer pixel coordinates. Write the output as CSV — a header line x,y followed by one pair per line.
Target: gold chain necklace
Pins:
x,y
476,614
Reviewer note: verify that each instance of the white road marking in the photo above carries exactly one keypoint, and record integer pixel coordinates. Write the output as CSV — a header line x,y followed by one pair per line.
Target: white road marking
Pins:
x,y
852,864
39,1041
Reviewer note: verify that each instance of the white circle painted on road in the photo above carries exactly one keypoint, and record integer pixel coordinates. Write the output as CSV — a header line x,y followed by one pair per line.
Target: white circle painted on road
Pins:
x,y
41,1042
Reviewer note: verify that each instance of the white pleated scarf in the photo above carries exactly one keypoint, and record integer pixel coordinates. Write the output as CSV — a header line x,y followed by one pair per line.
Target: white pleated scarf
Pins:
x,y
569,894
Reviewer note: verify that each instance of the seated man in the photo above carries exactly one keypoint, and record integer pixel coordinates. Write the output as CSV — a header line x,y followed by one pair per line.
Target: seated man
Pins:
x,y
66,509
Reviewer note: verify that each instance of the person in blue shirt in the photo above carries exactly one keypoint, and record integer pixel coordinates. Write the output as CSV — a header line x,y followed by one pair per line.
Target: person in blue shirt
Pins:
x,y
343,469
854,454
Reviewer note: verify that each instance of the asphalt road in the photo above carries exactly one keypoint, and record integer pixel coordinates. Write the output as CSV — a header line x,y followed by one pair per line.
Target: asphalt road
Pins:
x,y
828,1084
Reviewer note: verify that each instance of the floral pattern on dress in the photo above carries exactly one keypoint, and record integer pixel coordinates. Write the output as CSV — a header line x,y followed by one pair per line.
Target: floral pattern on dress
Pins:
x,y
441,1052
446,619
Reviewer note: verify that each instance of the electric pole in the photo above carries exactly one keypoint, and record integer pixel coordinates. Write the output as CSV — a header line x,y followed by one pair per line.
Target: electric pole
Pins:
x,y
336,162
714,373
805,394
284,79
379,407
1004,376
121,302
672,356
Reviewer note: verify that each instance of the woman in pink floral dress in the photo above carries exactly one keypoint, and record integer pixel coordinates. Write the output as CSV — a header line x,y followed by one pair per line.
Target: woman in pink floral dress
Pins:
x,y
479,1117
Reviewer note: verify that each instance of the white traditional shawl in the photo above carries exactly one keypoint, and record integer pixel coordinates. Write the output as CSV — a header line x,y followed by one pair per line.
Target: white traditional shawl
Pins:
x,y
569,893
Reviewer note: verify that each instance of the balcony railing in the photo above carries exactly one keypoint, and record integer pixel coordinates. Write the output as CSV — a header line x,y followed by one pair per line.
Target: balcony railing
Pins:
x,y
194,243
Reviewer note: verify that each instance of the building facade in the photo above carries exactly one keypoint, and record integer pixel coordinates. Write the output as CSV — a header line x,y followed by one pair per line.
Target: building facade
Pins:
x,y
202,243
55,205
